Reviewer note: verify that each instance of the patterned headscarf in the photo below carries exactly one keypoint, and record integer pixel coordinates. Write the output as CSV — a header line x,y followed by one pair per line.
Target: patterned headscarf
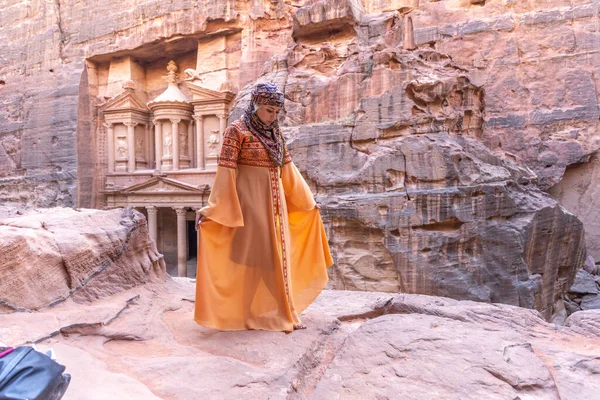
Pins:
x,y
269,135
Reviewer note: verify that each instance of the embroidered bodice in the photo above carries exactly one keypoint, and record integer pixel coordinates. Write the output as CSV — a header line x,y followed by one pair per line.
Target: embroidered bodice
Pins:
x,y
240,146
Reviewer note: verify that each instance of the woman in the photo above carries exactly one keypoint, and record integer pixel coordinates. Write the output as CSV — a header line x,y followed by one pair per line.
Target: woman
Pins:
x,y
262,251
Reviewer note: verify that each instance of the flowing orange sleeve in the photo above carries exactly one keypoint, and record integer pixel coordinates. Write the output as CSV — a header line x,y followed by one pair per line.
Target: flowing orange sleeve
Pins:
x,y
309,250
296,189
223,203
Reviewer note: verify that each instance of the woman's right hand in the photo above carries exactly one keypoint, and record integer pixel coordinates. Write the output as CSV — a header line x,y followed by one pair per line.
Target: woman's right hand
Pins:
x,y
199,219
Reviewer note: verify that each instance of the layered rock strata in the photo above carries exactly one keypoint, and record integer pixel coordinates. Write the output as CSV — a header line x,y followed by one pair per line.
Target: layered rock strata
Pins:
x,y
584,294
417,203
494,240
535,60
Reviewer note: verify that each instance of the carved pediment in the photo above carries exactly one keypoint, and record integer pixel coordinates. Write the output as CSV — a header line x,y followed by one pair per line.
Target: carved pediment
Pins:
x,y
126,101
158,185
201,95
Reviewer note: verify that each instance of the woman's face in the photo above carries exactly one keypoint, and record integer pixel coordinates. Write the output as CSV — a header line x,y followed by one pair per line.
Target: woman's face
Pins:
x,y
268,114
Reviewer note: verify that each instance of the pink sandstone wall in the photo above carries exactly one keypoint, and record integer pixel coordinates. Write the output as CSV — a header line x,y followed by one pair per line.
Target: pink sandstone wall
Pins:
x,y
430,160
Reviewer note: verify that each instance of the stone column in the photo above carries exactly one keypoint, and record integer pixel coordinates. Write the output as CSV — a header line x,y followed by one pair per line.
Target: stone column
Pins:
x,y
222,123
190,142
200,164
153,223
175,141
110,135
181,241
130,146
157,143
148,149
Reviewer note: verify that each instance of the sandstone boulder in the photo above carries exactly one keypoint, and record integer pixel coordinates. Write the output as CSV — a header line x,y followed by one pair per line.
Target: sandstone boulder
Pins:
x,y
54,254
326,17
585,292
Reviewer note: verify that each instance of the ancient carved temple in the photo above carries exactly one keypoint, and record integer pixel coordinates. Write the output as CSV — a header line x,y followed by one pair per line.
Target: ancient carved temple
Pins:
x,y
161,156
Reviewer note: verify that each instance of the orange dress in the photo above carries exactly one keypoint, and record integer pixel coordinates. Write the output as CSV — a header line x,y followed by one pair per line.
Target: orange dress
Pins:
x,y
262,253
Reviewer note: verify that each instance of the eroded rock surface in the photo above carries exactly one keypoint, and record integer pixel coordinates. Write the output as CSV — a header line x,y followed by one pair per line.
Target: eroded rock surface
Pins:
x,y
50,255
389,107
584,294
145,345
419,204
536,61
577,191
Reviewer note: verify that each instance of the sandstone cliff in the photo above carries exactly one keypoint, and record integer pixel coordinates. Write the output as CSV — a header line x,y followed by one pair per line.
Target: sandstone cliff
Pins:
x,y
426,127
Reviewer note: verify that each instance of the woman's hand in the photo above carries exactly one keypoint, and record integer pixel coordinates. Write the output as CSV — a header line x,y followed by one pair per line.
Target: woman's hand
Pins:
x,y
199,219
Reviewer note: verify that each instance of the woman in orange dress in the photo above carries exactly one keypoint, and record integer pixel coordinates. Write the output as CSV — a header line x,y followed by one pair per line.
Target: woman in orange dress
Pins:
x,y
263,252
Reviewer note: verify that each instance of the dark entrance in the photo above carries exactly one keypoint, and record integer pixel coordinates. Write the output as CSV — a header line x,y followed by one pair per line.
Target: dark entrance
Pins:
x,y
192,240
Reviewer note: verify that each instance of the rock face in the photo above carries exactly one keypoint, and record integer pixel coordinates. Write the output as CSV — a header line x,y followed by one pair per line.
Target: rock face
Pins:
x,y
576,191
537,65
435,154
143,344
56,254
467,235
585,292
419,204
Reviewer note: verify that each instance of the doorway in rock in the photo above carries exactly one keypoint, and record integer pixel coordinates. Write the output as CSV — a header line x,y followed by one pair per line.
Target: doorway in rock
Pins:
x,y
192,257
192,240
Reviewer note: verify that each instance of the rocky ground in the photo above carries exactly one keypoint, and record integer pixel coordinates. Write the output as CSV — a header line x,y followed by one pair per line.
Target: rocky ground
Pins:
x,y
144,344
91,285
